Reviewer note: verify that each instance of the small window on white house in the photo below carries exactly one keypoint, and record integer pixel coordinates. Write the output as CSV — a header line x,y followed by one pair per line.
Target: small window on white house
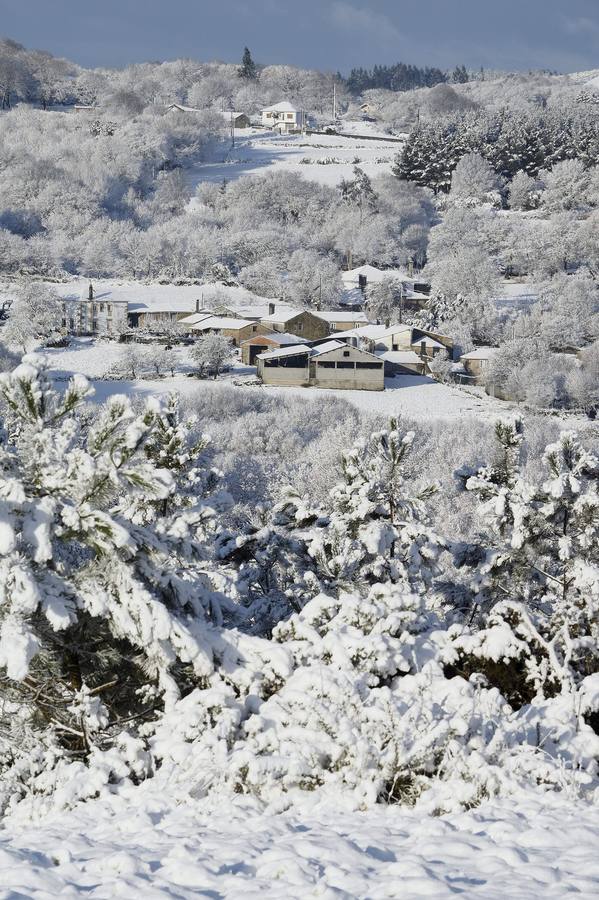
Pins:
x,y
299,326
346,352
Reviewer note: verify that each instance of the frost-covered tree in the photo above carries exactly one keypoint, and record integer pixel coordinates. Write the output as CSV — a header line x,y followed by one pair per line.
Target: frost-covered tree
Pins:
x,y
384,300
359,192
474,181
523,192
34,318
211,352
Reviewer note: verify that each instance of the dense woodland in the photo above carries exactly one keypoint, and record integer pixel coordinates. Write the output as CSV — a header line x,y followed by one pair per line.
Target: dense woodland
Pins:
x,y
310,599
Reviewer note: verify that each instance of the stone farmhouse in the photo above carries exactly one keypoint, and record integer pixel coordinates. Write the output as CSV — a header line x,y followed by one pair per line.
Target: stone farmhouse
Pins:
x,y
306,324
238,330
332,364
91,313
342,320
477,362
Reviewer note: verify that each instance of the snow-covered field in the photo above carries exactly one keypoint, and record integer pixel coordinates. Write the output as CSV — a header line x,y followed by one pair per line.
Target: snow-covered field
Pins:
x,y
145,846
257,152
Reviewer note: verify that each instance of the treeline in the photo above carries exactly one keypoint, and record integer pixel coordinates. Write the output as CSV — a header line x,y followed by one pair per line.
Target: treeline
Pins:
x,y
401,77
511,143
34,76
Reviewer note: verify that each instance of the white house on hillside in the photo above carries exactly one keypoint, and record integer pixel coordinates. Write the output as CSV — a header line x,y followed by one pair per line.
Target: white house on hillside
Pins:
x,y
284,117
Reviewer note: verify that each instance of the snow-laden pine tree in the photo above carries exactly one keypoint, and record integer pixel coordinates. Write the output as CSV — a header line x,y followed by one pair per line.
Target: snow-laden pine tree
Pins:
x,y
536,586
109,602
373,528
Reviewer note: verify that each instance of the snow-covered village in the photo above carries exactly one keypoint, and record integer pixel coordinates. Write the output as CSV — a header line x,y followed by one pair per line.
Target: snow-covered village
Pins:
x,y
299,450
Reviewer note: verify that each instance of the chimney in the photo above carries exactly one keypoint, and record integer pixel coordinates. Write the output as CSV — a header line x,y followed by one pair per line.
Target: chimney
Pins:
x,y
271,309
198,304
90,292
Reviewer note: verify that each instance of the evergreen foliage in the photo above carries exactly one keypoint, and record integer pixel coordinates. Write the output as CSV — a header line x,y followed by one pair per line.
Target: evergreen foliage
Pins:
x,y
248,69
398,77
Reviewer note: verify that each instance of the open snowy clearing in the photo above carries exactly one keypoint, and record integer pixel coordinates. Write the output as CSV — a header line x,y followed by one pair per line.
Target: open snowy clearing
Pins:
x,y
413,396
257,151
144,846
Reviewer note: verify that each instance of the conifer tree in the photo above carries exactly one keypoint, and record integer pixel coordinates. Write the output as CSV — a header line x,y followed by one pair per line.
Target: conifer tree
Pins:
x,y
248,69
538,580
106,590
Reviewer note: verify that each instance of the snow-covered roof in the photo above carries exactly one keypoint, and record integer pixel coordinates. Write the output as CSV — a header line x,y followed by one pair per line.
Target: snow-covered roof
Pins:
x,y
395,329
401,357
366,331
283,314
277,337
481,353
284,106
341,316
298,350
182,108
261,310
221,322
372,273
195,318
428,342
327,347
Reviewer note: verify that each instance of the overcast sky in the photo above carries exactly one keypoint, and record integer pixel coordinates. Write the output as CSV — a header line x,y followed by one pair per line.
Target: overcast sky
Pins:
x,y
324,34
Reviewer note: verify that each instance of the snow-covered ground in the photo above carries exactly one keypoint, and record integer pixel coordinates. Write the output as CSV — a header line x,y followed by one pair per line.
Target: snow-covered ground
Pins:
x,y
414,396
257,151
146,846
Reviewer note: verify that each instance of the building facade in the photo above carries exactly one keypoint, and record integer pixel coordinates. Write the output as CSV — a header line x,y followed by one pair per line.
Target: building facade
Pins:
x,y
284,117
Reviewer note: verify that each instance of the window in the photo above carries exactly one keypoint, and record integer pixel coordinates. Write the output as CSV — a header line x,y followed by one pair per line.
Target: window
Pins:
x,y
299,326
333,324
346,352
395,346
326,365
345,365
101,307
369,365
290,115
271,363
293,362
254,328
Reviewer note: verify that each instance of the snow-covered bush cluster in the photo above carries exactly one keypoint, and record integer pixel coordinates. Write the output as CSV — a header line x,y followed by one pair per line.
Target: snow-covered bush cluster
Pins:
x,y
352,644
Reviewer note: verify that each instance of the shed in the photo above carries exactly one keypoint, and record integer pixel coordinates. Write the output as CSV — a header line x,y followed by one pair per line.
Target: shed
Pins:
x,y
261,343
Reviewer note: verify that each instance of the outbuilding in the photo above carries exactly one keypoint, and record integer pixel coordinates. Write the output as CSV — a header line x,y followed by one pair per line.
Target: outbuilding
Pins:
x,y
334,365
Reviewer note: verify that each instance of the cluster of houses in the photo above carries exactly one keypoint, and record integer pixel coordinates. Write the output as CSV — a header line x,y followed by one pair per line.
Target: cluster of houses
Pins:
x,y
289,346
283,117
